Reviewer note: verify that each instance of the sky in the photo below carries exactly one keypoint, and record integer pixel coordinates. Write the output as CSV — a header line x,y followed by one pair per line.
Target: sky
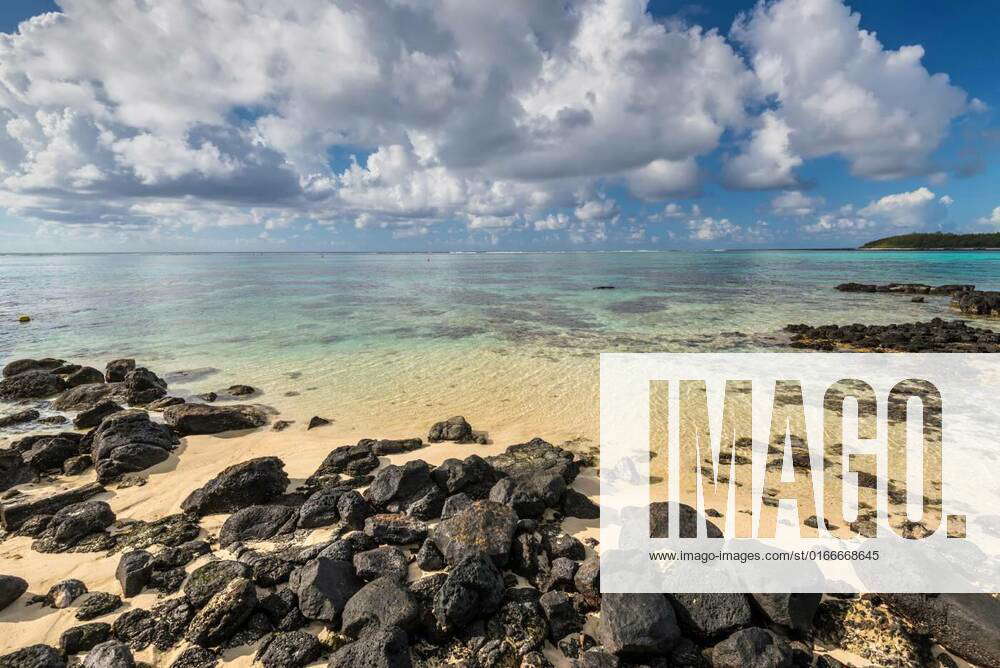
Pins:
x,y
445,125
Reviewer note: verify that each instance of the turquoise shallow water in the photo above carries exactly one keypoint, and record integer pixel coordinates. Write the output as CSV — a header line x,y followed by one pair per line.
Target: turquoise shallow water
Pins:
x,y
510,336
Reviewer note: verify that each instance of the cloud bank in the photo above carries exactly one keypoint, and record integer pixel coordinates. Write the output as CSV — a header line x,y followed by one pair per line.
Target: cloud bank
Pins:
x,y
520,114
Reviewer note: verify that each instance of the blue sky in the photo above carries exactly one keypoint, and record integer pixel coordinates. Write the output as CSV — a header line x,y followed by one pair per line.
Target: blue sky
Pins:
x,y
603,124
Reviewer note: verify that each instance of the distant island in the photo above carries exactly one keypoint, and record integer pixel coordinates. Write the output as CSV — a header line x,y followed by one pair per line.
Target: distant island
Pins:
x,y
936,241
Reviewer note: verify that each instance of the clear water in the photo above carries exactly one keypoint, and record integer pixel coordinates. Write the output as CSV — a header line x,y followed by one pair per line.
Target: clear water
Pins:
x,y
394,339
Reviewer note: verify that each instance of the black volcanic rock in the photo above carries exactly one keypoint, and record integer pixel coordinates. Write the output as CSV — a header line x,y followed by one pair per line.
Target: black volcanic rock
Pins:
x,y
116,370
638,624
455,429
133,572
83,397
935,335
91,417
11,588
483,528
83,376
752,647
324,586
127,442
19,417
209,579
473,590
33,656
222,616
352,460
255,481
393,529
13,515
142,386
292,649
257,523
383,602
190,419
37,384
406,489
535,457
20,366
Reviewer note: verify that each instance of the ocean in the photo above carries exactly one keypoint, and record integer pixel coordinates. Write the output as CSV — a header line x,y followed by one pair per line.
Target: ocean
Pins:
x,y
390,339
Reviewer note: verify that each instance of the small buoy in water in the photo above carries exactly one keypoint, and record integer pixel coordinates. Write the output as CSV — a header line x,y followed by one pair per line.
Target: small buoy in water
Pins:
x,y
24,318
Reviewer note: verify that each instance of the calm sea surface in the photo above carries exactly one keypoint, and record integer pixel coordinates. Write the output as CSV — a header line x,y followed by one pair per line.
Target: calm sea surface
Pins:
x,y
398,339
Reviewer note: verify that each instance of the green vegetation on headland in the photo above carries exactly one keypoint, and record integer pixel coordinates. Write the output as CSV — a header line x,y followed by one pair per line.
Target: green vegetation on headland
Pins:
x,y
936,240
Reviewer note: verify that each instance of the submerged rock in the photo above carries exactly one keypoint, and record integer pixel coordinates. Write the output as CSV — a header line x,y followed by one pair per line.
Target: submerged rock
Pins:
x,y
190,419
20,417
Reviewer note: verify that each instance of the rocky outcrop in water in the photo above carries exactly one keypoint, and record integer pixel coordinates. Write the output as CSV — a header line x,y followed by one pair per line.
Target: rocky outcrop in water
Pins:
x,y
978,303
35,384
936,335
906,288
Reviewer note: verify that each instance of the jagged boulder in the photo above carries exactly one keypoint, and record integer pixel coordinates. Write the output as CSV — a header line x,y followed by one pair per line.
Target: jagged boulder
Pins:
x,y
638,624
49,453
354,460
453,429
472,476
484,528
472,590
223,614
406,489
142,386
535,457
73,524
292,649
34,656
255,481
381,648
15,514
190,419
386,528
110,654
